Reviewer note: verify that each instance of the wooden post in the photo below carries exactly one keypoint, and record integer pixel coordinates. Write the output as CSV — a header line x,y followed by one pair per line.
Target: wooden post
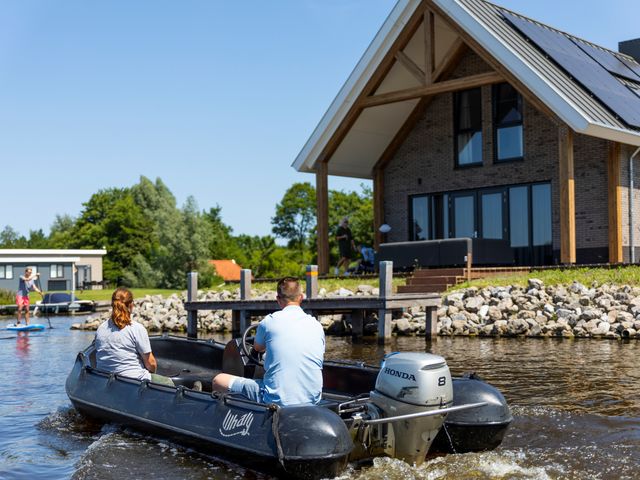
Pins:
x,y
357,325
322,228
567,197
192,296
378,206
386,289
311,281
431,325
469,263
245,294
615,204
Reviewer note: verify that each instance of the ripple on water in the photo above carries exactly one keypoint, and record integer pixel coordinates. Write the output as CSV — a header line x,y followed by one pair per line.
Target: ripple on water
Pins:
x,y
125,454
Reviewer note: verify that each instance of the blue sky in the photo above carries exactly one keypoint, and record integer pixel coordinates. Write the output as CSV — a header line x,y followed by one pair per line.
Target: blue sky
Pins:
x,y
214,97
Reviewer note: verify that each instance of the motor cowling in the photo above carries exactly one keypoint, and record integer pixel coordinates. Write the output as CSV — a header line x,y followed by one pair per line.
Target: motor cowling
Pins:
x,y
411,383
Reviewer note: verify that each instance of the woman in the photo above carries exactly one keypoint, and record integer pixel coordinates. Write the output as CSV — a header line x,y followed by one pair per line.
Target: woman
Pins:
x,y
122,345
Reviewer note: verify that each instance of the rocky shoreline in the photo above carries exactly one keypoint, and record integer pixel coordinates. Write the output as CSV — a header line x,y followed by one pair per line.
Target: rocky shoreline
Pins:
x,y
598,311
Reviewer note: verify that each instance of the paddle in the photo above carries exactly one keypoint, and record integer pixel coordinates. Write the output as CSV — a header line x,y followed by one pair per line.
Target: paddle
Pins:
x,y
45,305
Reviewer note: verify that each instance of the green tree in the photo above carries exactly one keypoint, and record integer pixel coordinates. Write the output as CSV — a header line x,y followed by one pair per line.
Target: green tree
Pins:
x,y
9,238
295,216
61,231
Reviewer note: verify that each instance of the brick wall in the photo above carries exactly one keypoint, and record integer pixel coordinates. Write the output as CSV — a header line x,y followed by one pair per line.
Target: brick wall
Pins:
x,y
425,164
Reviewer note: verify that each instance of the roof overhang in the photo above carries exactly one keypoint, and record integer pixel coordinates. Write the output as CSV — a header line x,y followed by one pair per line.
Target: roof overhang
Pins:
x,y
4,259
362,146
50,252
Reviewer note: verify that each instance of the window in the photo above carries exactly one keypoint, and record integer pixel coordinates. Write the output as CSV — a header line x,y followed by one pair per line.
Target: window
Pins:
x,y
507,121
420,218
541,214
6,271
492,215
468,127
57,271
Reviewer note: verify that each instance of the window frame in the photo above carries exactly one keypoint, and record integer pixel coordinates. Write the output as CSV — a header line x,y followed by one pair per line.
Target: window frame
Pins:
x,y
4,269
457,131
494,113
59,271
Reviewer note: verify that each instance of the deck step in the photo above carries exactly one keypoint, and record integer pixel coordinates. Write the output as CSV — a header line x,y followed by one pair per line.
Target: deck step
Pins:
x,y
430,272
447,280
435,288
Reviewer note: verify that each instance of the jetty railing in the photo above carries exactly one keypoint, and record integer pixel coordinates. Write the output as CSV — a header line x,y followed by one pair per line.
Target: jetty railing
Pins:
x,y
385,303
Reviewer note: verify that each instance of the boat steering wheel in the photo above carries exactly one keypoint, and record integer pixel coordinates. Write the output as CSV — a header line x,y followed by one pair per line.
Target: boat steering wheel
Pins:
x,y
255,357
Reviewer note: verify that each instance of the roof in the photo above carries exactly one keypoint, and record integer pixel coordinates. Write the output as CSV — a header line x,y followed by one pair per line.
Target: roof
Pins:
x,y
49,252
374,129
229,270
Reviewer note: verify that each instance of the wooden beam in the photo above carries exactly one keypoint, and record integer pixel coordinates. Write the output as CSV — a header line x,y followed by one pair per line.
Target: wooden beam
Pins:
x,y
429,46
448,64
567,196
378,206
446,86
615,203
411,66
322,228
371,86
496,65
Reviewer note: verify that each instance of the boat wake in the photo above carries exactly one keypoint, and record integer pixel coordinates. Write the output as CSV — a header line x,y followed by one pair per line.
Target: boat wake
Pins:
x,y
133,456
68,421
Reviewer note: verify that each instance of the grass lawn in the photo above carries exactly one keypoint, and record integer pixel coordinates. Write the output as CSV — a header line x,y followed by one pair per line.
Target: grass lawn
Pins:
x,y
629,275
105,295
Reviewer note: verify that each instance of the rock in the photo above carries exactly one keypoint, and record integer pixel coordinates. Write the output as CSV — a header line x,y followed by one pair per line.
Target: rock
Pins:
x,y
473,304
483,311
535,283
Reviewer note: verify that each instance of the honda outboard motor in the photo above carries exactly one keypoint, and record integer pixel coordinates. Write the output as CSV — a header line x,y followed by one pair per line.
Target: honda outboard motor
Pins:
x,y
410,383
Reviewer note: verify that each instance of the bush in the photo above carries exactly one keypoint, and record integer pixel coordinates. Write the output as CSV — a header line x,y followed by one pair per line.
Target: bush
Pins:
x,y
7,296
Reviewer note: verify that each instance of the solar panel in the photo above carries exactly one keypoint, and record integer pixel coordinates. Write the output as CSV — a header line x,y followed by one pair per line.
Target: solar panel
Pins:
x,y
609,61
584,69
631,65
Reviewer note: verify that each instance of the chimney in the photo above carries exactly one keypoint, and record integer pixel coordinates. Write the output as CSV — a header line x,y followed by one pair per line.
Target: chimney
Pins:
x,y
631,48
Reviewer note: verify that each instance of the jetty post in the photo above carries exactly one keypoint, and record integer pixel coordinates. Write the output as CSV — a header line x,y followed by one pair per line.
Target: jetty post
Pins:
x,y
245,294
192,296
311,280
386,290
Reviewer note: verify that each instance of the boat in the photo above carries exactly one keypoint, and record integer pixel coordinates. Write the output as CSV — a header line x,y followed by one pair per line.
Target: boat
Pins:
x,y
63,303
21,327
408,408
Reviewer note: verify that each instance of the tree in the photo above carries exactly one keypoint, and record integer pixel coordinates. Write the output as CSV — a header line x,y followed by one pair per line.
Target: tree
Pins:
x,y
295,216
9,238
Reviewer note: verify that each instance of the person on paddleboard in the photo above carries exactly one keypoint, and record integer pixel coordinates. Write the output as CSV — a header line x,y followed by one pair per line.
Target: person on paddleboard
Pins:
x,y
26,284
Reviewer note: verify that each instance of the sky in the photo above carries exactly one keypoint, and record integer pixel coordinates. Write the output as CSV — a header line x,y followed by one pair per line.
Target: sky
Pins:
x,y
214,97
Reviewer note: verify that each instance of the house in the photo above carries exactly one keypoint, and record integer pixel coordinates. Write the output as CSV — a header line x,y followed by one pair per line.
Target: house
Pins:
x,y
476,122
58,269
228,270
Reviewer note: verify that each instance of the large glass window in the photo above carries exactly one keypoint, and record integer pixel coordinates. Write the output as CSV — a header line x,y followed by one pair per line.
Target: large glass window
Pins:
x,y
541,214
6,271
468,127
464,216
420,218
519,216
491,207
507,121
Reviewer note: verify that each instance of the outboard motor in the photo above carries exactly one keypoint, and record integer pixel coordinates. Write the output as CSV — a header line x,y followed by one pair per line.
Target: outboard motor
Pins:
x,y
410,383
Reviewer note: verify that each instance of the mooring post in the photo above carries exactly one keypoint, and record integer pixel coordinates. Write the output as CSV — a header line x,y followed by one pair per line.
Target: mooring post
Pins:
x,y
311,279
386,290
357,325
192,296
245,294
431,325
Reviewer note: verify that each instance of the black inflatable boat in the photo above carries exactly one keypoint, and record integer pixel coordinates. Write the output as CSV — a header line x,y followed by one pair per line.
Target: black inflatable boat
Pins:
x,y
408,408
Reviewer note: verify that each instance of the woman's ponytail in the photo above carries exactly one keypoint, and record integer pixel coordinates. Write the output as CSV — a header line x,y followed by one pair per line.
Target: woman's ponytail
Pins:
x,y
121,302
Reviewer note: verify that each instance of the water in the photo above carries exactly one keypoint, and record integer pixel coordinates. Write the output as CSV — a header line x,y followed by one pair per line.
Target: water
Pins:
x,y
576,405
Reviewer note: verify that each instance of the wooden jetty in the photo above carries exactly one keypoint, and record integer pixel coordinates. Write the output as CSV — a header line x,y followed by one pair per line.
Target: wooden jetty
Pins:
x,y
385,304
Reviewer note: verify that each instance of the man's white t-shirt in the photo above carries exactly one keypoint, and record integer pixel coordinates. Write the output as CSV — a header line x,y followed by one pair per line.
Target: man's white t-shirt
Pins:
x,y
293,363
120,351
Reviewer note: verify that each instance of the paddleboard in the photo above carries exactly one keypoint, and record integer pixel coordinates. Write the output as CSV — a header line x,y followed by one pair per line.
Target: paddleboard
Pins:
x,y
25,328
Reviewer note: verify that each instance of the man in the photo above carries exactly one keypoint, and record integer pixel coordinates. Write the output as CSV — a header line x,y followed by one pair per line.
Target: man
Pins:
x,y
345,245
294,346
26,284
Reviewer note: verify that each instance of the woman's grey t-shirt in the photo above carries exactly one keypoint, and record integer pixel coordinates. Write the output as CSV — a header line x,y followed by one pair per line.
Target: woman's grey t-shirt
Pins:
x,y
120,351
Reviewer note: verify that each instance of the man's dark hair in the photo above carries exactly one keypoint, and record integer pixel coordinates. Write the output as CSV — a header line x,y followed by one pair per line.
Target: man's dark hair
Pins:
x,y
289,289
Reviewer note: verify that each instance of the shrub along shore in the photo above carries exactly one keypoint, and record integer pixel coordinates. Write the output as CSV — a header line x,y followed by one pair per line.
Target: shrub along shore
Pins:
x,y
534,310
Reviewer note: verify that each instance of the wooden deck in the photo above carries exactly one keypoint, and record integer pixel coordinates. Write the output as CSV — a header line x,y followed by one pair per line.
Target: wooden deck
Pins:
x,y
384,304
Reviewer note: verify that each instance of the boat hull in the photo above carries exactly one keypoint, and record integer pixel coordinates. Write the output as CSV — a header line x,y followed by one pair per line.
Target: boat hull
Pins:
x,y
265,438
